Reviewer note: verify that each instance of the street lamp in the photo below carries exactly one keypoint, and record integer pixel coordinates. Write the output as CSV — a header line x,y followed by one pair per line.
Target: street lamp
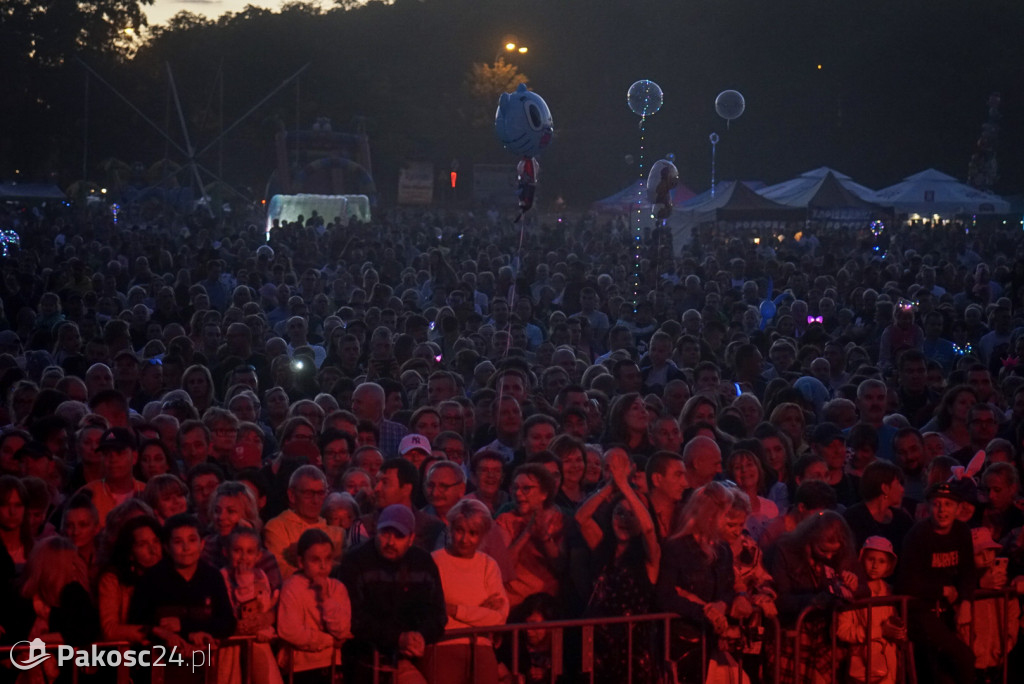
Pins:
x,y
512,46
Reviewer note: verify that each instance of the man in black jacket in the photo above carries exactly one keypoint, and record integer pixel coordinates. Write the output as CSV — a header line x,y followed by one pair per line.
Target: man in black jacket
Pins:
x,y
397,601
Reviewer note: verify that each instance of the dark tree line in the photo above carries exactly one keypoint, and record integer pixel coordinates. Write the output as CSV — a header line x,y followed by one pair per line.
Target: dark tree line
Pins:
x,y
902,86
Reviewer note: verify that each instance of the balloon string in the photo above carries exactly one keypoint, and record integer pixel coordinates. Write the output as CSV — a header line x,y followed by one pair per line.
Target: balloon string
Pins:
x,y
713,147
516,262
638,229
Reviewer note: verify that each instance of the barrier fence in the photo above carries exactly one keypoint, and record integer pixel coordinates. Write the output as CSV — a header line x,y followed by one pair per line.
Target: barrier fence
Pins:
x,y
868,605
1006,595
582,634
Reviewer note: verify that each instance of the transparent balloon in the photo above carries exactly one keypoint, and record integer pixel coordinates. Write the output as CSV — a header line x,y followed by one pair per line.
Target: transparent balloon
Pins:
x,y
644,98
730,104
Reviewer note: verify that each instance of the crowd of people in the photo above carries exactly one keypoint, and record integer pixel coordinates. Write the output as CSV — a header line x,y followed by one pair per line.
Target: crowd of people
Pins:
x,y
346,441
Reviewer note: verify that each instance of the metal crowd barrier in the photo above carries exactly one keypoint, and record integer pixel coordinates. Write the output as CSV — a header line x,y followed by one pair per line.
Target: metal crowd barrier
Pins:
x,y
907,673
558,627
772,643
1007,594
587,627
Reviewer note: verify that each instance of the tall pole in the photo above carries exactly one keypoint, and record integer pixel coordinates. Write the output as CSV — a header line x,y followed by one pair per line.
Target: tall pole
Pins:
x,y
298,107
188,141
220,147
85,132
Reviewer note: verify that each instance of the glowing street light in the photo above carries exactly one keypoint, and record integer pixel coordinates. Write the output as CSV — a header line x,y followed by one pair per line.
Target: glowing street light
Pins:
x,y
512,46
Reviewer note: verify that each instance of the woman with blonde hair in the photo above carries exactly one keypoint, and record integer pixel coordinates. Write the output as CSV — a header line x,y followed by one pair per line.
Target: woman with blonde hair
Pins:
x,y
745,467
790,419
696,578
198,383
474,597
231,507
56,601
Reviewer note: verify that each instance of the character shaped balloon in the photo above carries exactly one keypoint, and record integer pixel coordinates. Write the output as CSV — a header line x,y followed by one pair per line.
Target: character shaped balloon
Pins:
x,y
662,179
523,122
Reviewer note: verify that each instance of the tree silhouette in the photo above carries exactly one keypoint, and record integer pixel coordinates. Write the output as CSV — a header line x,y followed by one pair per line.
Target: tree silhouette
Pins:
x,y
485,83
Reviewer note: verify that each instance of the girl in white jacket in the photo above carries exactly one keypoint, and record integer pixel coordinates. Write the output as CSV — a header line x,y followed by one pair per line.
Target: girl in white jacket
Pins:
x,y
313,613
887,631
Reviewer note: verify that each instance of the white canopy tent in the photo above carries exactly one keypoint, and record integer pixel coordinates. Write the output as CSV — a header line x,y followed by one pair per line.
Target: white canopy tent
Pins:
x,y
932,192
797,192
734,206
827,196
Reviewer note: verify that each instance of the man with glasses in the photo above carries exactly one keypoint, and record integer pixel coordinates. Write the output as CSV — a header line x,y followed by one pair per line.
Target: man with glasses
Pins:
x,y
982,427
307,489
445,486
397,479
223,426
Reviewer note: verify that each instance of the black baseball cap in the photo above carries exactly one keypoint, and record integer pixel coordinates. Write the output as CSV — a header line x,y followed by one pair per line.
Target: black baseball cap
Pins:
x,y
944,490
826,433
117,439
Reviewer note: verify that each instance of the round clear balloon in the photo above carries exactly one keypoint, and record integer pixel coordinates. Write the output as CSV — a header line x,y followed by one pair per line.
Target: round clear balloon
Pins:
x,y
645,98
730,104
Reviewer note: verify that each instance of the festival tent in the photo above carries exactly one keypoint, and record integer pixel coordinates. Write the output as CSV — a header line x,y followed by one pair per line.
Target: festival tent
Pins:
x,y
754,185
30,191
624,201
932,192
734,202
826,195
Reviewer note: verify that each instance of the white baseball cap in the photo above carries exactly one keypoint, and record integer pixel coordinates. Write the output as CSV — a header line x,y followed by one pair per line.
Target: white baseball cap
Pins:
x,y
413,441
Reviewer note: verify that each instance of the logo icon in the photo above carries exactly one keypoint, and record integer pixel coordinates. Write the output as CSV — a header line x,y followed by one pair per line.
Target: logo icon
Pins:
x,y
36,654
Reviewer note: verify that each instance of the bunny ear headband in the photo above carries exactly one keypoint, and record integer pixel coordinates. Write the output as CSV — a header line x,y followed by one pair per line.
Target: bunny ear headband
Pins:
x,y
972,469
